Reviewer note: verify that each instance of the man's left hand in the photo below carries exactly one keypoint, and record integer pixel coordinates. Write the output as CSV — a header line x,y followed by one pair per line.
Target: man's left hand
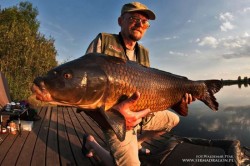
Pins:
x,y
188,98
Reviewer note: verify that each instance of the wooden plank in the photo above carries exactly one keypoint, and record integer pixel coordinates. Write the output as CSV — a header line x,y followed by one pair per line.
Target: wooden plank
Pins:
x,y
3,137
29,144
92,128
74,138
52,156
39,155
66,157
15,149
86,124
5,146
80,130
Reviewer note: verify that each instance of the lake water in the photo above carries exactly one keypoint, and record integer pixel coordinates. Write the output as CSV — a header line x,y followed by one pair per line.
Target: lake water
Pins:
x,y
231,121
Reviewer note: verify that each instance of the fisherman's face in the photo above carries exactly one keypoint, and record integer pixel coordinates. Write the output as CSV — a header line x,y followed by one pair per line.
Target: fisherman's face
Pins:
x,y
133,25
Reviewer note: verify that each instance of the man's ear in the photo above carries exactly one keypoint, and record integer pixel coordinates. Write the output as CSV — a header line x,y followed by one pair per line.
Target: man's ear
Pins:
x,y
119,21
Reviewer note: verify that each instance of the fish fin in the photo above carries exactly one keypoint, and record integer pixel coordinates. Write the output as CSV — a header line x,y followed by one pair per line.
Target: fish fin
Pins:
x,y
213,86
116,121
181,108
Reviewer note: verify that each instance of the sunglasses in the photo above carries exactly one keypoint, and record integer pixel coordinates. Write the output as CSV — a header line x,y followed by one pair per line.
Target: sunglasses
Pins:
x,y
136,20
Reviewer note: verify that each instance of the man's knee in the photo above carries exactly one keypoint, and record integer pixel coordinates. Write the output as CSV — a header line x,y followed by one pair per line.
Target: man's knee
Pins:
x,y
176,120
173,119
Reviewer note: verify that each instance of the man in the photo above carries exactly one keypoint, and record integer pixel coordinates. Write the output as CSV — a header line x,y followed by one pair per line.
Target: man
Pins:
x,y
134,22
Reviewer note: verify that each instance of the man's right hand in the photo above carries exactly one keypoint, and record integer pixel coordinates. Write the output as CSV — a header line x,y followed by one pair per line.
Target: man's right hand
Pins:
x,y
132,118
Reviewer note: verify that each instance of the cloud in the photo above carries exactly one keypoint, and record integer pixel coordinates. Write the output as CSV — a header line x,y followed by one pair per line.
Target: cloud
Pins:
x,y
226,16
58,31
226,19
208,41
231,55
246,34
232,46
238,46
226,26
236,117
233,42
177,53
171,38
214,126
197,51
246,9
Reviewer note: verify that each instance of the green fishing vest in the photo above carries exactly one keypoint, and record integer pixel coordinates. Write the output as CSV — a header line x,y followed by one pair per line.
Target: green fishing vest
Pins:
x,y
112,45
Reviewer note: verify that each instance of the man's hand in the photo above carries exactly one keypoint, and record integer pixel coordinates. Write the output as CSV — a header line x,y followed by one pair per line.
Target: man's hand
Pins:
x,y
188,98
132,118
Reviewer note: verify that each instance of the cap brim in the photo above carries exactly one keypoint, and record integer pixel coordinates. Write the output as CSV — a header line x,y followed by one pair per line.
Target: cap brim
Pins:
x,y
148,12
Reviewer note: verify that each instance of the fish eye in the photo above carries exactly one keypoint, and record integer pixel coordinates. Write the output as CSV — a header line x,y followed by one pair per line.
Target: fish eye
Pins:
x,y
67,75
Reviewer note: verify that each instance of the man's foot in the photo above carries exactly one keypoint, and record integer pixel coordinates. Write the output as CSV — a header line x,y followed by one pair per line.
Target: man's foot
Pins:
x,y
85,147
144,151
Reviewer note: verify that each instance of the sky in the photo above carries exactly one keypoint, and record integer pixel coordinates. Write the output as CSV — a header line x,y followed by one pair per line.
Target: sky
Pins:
x,y
200,39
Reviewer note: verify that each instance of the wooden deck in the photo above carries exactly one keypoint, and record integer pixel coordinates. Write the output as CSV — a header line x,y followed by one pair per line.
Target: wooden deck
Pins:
x,y
56,139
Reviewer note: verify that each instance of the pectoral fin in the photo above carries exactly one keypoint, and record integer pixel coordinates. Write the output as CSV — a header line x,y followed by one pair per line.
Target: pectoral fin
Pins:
x,y
116,121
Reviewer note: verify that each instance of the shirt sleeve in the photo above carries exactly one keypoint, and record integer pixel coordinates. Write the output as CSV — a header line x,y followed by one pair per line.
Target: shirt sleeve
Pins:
x,y
95,46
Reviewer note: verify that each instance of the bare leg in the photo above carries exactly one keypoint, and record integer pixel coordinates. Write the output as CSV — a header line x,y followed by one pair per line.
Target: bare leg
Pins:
x,y
161,123
102,153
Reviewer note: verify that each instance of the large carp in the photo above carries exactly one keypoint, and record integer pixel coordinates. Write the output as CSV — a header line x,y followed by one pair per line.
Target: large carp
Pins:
x,y
99,81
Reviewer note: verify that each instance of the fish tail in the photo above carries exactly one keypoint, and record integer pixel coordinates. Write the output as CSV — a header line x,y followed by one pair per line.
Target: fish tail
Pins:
x,y
213,86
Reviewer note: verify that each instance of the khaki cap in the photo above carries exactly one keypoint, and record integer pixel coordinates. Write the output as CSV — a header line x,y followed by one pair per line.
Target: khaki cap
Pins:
x,y
137,6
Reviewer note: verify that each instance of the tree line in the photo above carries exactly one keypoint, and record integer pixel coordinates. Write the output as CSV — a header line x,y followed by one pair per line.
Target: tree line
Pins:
x,y
25,53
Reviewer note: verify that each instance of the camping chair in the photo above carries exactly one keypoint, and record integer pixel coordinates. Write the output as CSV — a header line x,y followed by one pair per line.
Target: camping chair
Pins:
x,y
4,91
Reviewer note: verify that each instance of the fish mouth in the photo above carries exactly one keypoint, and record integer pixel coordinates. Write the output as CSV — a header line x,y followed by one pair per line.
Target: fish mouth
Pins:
x,y
39,89
43,94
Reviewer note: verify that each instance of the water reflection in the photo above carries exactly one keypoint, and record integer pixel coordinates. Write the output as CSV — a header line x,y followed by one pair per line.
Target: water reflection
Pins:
x,y
232,121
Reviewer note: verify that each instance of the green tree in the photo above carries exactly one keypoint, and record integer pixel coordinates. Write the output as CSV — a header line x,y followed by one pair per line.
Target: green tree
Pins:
x,y
24,52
